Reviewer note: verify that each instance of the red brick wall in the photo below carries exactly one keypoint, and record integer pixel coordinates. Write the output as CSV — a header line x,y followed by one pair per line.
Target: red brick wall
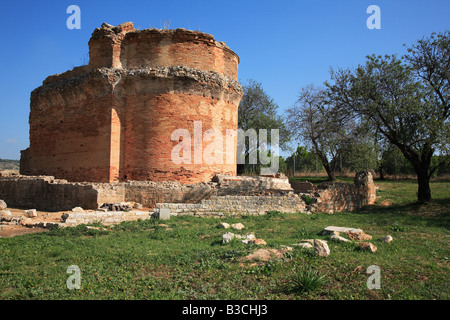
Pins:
x,y
115,124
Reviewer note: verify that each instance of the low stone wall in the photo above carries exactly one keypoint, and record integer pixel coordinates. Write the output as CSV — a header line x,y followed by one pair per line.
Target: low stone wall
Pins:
x,y
337,197
105,218
149,193
251,194
47,193
236,205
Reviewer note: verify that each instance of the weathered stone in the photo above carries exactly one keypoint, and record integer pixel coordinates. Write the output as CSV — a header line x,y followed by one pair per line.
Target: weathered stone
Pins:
x,y
339,238
227,237
31,213
5,214
358,235
367,246
77,209
250,236
257,242
223,225
265,254
164,214
3,205
238,226
333,229
92,228
311,241
247,238
387,239
305,245
138,206
27,222
321,248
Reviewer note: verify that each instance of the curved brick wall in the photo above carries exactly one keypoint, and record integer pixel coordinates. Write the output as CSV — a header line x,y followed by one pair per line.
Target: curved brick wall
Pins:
x,y
125,47
112,120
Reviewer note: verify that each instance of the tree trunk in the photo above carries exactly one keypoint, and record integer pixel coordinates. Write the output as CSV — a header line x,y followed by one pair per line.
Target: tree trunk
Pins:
x,y
424,192
330,171
381,171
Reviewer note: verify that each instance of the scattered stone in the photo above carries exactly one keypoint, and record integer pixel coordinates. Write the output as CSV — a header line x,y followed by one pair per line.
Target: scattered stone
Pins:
x,y
238,226
5,215
311,241
358,235
339,238
305,245
265,254
77,209
321,248
27,222
163,225
257,242
91,228
138,206
247,238
387,239
3,205
227,237
367,246
286,248
332,229
223,225
32,213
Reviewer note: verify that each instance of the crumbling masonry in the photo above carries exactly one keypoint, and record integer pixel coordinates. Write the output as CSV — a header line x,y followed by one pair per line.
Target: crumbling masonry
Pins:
x,y
112,120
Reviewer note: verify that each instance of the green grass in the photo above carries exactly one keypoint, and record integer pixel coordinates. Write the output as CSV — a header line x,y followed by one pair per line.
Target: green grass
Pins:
x,y
142,260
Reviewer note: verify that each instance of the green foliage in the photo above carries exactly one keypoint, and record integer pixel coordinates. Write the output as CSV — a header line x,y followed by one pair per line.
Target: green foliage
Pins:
x,y
9,164
306,280
305,161
308,200
257,110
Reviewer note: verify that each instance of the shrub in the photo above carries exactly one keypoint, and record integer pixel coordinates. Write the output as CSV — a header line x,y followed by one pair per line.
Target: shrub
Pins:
x,y
306,280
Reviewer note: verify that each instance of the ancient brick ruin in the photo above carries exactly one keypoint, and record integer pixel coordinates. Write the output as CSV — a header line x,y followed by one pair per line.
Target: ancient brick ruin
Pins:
x,y
101,134
112,120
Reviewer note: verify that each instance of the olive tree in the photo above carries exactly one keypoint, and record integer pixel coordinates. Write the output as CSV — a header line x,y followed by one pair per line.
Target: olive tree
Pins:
x,y
406,99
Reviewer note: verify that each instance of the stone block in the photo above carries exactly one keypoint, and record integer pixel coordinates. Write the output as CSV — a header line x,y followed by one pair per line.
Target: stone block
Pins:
x,y
321,248
164,214
31,213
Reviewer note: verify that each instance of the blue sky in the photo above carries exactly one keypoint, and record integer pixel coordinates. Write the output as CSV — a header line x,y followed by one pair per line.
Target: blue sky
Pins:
x,y
284,45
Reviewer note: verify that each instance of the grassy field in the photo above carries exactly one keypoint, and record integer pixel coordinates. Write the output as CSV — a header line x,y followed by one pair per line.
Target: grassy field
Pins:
x,y
187,260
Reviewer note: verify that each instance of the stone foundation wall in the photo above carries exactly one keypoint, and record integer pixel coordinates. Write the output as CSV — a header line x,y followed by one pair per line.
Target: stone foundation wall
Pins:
x,y
46,193
236,205
248,195
105,218
338,197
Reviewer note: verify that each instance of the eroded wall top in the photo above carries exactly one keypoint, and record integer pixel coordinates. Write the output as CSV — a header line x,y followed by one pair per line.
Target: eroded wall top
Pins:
x,y
125,47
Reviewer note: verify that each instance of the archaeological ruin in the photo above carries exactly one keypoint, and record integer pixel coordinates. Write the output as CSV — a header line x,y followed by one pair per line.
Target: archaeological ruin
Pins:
x,y
112,120
101,134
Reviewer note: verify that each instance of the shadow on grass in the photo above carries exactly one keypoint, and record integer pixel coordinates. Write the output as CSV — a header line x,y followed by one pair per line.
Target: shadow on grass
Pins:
x,y
436,213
